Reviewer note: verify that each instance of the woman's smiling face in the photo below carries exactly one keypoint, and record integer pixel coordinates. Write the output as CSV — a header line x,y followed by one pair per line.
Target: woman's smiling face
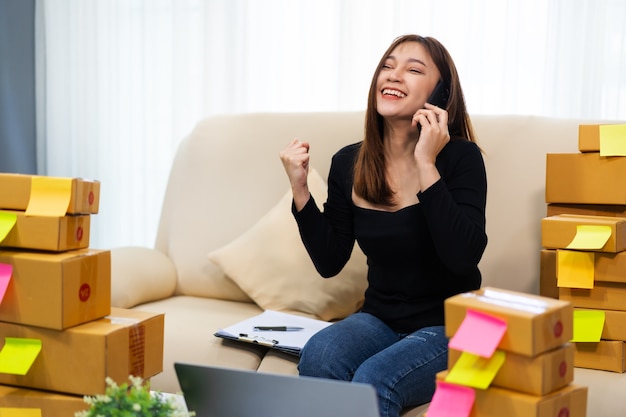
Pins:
x,y
405,81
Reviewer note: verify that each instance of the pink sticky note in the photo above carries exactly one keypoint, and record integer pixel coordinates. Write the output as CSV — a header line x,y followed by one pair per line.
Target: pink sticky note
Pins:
x,y
479,334
451,400
6,271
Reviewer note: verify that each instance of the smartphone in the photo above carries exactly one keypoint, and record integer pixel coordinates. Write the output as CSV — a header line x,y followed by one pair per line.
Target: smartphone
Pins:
x,y
440,95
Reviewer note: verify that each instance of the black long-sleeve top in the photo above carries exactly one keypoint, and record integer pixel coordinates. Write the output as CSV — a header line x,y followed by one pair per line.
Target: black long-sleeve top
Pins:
x,y
417,256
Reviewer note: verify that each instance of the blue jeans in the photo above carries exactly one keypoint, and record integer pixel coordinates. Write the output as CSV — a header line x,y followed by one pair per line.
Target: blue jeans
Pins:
x,y
361,348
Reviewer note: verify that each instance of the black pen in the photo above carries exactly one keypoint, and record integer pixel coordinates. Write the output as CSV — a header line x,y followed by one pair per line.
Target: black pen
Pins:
x,y
278,328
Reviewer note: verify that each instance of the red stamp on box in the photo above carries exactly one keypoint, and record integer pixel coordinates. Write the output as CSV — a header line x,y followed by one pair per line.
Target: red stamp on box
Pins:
x,y
558,329
564,412
562,369
91,198
79,234
84,292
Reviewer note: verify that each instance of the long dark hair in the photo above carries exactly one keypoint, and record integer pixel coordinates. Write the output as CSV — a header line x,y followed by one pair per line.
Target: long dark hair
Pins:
x,y
369,169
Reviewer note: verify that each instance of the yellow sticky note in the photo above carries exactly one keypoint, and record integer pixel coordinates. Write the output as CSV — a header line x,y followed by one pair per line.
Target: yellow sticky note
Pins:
x,y
476,371
613,140
575,269
589,237
7,221
18,355
588,325
49,196
20,412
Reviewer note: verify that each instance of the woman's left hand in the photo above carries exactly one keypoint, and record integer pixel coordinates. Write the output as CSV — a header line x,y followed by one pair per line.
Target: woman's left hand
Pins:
x,y
434,134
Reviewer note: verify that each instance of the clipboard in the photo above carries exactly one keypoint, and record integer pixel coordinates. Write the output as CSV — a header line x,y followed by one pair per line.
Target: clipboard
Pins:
x,y
290,342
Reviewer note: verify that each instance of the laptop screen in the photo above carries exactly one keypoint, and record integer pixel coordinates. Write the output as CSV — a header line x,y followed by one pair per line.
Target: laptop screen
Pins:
x,y
221,392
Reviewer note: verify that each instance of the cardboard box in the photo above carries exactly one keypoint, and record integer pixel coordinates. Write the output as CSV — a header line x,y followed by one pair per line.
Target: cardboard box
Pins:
x,y
570,401
57,290
585,178
557,232
51,404
609,210
535,324
547,274
614,324
77,360
54,234
604,355
16,191
589,136
538,375
610,267
603,296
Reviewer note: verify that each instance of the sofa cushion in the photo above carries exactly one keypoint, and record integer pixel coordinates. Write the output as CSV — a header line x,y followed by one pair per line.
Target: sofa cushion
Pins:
x,y
190,323
269,262
140,275
216,191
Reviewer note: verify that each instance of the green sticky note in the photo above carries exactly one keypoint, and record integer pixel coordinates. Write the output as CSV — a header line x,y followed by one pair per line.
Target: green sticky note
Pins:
x,y
476,371
588,325
18,354
613,140
575,269
7,221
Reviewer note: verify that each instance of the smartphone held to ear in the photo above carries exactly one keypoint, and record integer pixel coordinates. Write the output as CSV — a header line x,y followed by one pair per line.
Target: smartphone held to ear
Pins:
x,y
440,95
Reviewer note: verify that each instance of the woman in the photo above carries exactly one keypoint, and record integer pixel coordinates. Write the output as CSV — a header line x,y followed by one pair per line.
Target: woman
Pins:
x,y
412,194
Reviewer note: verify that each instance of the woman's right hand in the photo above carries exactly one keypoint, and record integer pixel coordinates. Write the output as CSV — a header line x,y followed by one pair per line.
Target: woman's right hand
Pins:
x,y
295,159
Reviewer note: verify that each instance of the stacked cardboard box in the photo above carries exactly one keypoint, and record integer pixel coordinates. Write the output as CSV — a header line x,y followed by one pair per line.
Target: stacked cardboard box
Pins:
x,y
583,259
529,369
59,336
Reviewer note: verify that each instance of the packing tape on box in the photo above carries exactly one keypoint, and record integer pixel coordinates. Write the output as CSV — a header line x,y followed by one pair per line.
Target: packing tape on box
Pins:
x,y
510,300
89,277
136,344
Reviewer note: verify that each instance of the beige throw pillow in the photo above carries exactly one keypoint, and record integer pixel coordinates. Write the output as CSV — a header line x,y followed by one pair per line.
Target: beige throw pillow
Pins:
x,y
269,263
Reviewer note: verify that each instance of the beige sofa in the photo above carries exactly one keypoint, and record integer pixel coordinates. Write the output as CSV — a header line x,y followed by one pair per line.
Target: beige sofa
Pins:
x,y
228,196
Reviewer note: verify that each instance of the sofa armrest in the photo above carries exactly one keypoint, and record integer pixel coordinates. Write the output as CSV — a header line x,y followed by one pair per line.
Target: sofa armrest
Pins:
x,y
140,275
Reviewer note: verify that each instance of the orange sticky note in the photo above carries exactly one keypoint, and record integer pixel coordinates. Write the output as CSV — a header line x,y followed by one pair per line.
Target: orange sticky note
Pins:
x,y
575,269
49,196
451,400
590,237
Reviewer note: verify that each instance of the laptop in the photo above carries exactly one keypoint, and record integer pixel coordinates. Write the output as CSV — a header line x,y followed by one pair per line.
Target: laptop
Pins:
x,y
220,392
